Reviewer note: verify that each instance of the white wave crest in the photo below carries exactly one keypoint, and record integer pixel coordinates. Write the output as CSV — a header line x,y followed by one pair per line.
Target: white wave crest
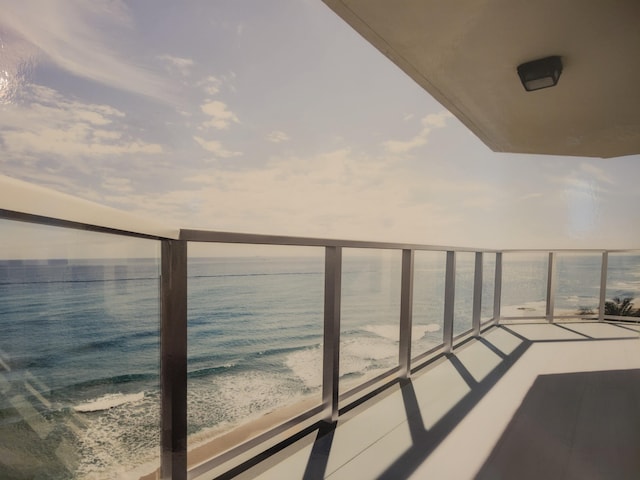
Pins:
x,y
307,366
108,401
430,328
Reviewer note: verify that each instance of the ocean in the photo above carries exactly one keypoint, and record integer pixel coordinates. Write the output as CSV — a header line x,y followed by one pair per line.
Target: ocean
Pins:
x,y
79,342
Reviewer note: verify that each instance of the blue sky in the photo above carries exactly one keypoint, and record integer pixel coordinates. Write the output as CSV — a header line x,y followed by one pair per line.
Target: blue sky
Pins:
x,y
274,117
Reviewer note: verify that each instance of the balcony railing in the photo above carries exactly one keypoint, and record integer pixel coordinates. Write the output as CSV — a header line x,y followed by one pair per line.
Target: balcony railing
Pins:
x,y
476,288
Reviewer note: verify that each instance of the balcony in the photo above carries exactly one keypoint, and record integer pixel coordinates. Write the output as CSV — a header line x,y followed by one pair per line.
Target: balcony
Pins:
x,y
136,350
132,350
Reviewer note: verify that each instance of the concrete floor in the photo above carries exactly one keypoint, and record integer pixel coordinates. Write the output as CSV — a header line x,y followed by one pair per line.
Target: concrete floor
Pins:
x,y
526,401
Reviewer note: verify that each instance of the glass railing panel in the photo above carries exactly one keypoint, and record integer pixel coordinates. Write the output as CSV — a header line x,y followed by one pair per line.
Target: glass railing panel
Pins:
x,y
577,283
255,326
79,354
524,284
463,303
428,300
370,314
488,285
623,285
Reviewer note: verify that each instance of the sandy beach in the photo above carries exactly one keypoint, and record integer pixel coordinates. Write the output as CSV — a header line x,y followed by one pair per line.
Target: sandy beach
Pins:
x,y
235,435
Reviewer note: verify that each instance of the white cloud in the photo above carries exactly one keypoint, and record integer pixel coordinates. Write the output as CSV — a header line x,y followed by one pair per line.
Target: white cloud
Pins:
x,y
71,35
182,65
118,185
74,141
431,121
50,124
399,146
277,136
221,117
216,148
210,85
438,120
336,194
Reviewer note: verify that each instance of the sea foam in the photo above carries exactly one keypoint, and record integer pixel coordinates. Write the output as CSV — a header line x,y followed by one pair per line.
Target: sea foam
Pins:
x,y
108,401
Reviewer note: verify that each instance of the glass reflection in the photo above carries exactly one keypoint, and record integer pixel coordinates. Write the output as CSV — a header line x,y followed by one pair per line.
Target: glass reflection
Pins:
x,y
577,284
370,312
79,355
255,325
463,307
428,301
623,285
524,284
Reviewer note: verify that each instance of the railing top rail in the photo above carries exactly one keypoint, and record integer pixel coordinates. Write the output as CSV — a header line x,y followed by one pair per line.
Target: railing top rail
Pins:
x,y
259,239
214,236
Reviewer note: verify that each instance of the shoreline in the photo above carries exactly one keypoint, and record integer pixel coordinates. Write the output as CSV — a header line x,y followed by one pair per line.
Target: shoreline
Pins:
x,y
210,448
234,435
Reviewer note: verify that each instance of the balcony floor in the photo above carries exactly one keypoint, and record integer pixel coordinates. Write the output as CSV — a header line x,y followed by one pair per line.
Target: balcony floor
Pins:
x,y
526,401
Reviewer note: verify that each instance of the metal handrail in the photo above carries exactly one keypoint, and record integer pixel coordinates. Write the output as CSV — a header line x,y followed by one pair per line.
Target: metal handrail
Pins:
x,y
213,236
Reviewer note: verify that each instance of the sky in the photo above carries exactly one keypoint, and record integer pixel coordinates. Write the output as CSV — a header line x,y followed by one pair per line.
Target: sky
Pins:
x,y
274,117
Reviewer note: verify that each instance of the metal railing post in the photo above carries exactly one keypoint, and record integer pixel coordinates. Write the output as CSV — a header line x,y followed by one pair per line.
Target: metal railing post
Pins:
x,y
497,289
406,312
173,360
477,294
603,285
331,345
551,286
449,300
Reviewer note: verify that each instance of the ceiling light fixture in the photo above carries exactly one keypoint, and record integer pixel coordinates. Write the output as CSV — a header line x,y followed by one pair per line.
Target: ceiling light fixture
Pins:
x,y
541,73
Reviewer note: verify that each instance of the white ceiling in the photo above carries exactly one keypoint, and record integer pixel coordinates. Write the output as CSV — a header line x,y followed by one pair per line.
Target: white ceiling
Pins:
x,y
465,54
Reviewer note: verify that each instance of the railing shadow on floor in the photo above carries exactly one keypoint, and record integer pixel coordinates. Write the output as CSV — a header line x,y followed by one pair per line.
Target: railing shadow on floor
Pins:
x,y
319,457
423,440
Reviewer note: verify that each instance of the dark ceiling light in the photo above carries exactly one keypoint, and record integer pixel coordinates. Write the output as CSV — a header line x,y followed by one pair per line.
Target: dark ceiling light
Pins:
x,y
541,73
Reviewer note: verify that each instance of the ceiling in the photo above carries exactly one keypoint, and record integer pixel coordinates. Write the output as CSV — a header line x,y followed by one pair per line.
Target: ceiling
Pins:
x,y
465,54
